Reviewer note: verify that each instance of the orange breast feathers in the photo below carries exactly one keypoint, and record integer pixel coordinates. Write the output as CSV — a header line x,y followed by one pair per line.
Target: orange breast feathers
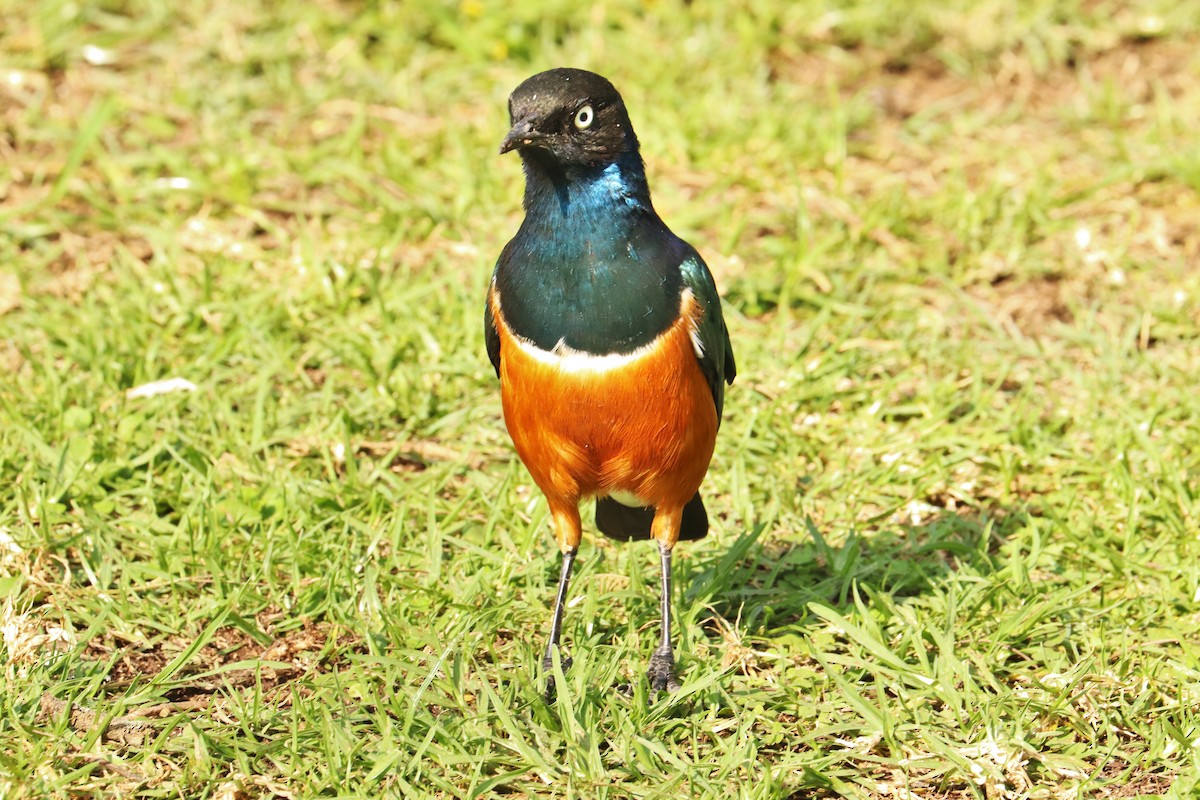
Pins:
x,y
642,423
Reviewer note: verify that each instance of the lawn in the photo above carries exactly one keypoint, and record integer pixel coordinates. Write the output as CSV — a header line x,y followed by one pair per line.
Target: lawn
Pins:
x,y
955,547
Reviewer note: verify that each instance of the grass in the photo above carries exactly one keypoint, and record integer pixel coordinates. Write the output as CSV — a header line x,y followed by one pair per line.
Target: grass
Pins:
x,y
955,547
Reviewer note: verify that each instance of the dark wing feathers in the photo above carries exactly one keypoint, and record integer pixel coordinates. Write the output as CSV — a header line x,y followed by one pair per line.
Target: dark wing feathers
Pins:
x,y
491,336
716,360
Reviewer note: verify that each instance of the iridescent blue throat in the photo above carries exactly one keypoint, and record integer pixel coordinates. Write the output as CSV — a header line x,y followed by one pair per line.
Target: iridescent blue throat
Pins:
x,y
592,266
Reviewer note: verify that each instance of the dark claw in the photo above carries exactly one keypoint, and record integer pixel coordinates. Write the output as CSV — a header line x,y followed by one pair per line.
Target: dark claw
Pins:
x,y
548,671
661,673
548,662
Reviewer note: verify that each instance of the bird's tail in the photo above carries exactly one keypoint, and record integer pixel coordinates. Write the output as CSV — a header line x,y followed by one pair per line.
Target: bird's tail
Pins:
x,y
625,523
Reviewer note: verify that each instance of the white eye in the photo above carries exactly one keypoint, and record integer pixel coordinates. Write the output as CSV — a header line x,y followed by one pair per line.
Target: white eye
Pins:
x,y
584,117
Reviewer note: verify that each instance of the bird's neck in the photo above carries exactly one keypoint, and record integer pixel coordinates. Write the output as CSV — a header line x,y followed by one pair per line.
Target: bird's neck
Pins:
x,y
592,267
575,204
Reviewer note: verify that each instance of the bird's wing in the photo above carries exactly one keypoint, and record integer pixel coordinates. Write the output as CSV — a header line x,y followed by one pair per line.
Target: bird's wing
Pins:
x,y
716,356
491,336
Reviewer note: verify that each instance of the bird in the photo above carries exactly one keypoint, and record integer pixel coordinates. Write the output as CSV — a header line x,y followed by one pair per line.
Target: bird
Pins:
x,y
606,332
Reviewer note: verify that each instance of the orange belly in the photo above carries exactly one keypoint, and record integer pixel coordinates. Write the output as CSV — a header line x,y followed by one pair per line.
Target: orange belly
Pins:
x,y
644,425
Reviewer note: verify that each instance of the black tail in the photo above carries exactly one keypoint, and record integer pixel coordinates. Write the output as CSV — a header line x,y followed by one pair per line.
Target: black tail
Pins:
x,y
626,523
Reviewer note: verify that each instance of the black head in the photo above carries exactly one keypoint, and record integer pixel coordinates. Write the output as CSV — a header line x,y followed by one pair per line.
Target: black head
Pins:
x,y
571,117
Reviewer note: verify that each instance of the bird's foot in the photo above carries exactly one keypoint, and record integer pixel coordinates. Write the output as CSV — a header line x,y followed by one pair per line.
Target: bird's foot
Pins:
x,y
548,671
548,662
661,673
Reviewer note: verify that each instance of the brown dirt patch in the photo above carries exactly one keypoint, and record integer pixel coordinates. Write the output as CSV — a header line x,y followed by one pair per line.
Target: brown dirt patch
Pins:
x,y
300,650
272,668
401,455
1136,785
10,292
1017,107
1029,307
1143,69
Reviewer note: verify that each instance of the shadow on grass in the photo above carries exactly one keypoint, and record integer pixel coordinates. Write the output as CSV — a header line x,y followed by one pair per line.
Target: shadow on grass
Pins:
x,y
767,585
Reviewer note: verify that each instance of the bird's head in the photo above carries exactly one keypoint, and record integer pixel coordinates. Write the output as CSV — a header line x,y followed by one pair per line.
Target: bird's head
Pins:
x,y
569,117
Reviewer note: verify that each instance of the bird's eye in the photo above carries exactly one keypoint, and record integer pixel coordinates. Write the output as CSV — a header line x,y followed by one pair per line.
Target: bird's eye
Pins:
x,y
584,117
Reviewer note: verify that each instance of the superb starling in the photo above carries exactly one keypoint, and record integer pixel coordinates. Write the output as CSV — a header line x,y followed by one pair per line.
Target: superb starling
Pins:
x,y
606,332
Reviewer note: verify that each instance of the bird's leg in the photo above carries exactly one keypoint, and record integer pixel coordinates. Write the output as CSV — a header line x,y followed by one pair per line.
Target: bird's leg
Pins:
x,y
661,673
564,579
567,533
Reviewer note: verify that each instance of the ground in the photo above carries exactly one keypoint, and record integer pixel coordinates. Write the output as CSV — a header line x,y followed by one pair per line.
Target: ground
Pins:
x,y
262,533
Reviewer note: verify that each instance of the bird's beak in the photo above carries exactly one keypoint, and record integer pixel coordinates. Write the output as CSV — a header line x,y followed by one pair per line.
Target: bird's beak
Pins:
x,y
523,134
